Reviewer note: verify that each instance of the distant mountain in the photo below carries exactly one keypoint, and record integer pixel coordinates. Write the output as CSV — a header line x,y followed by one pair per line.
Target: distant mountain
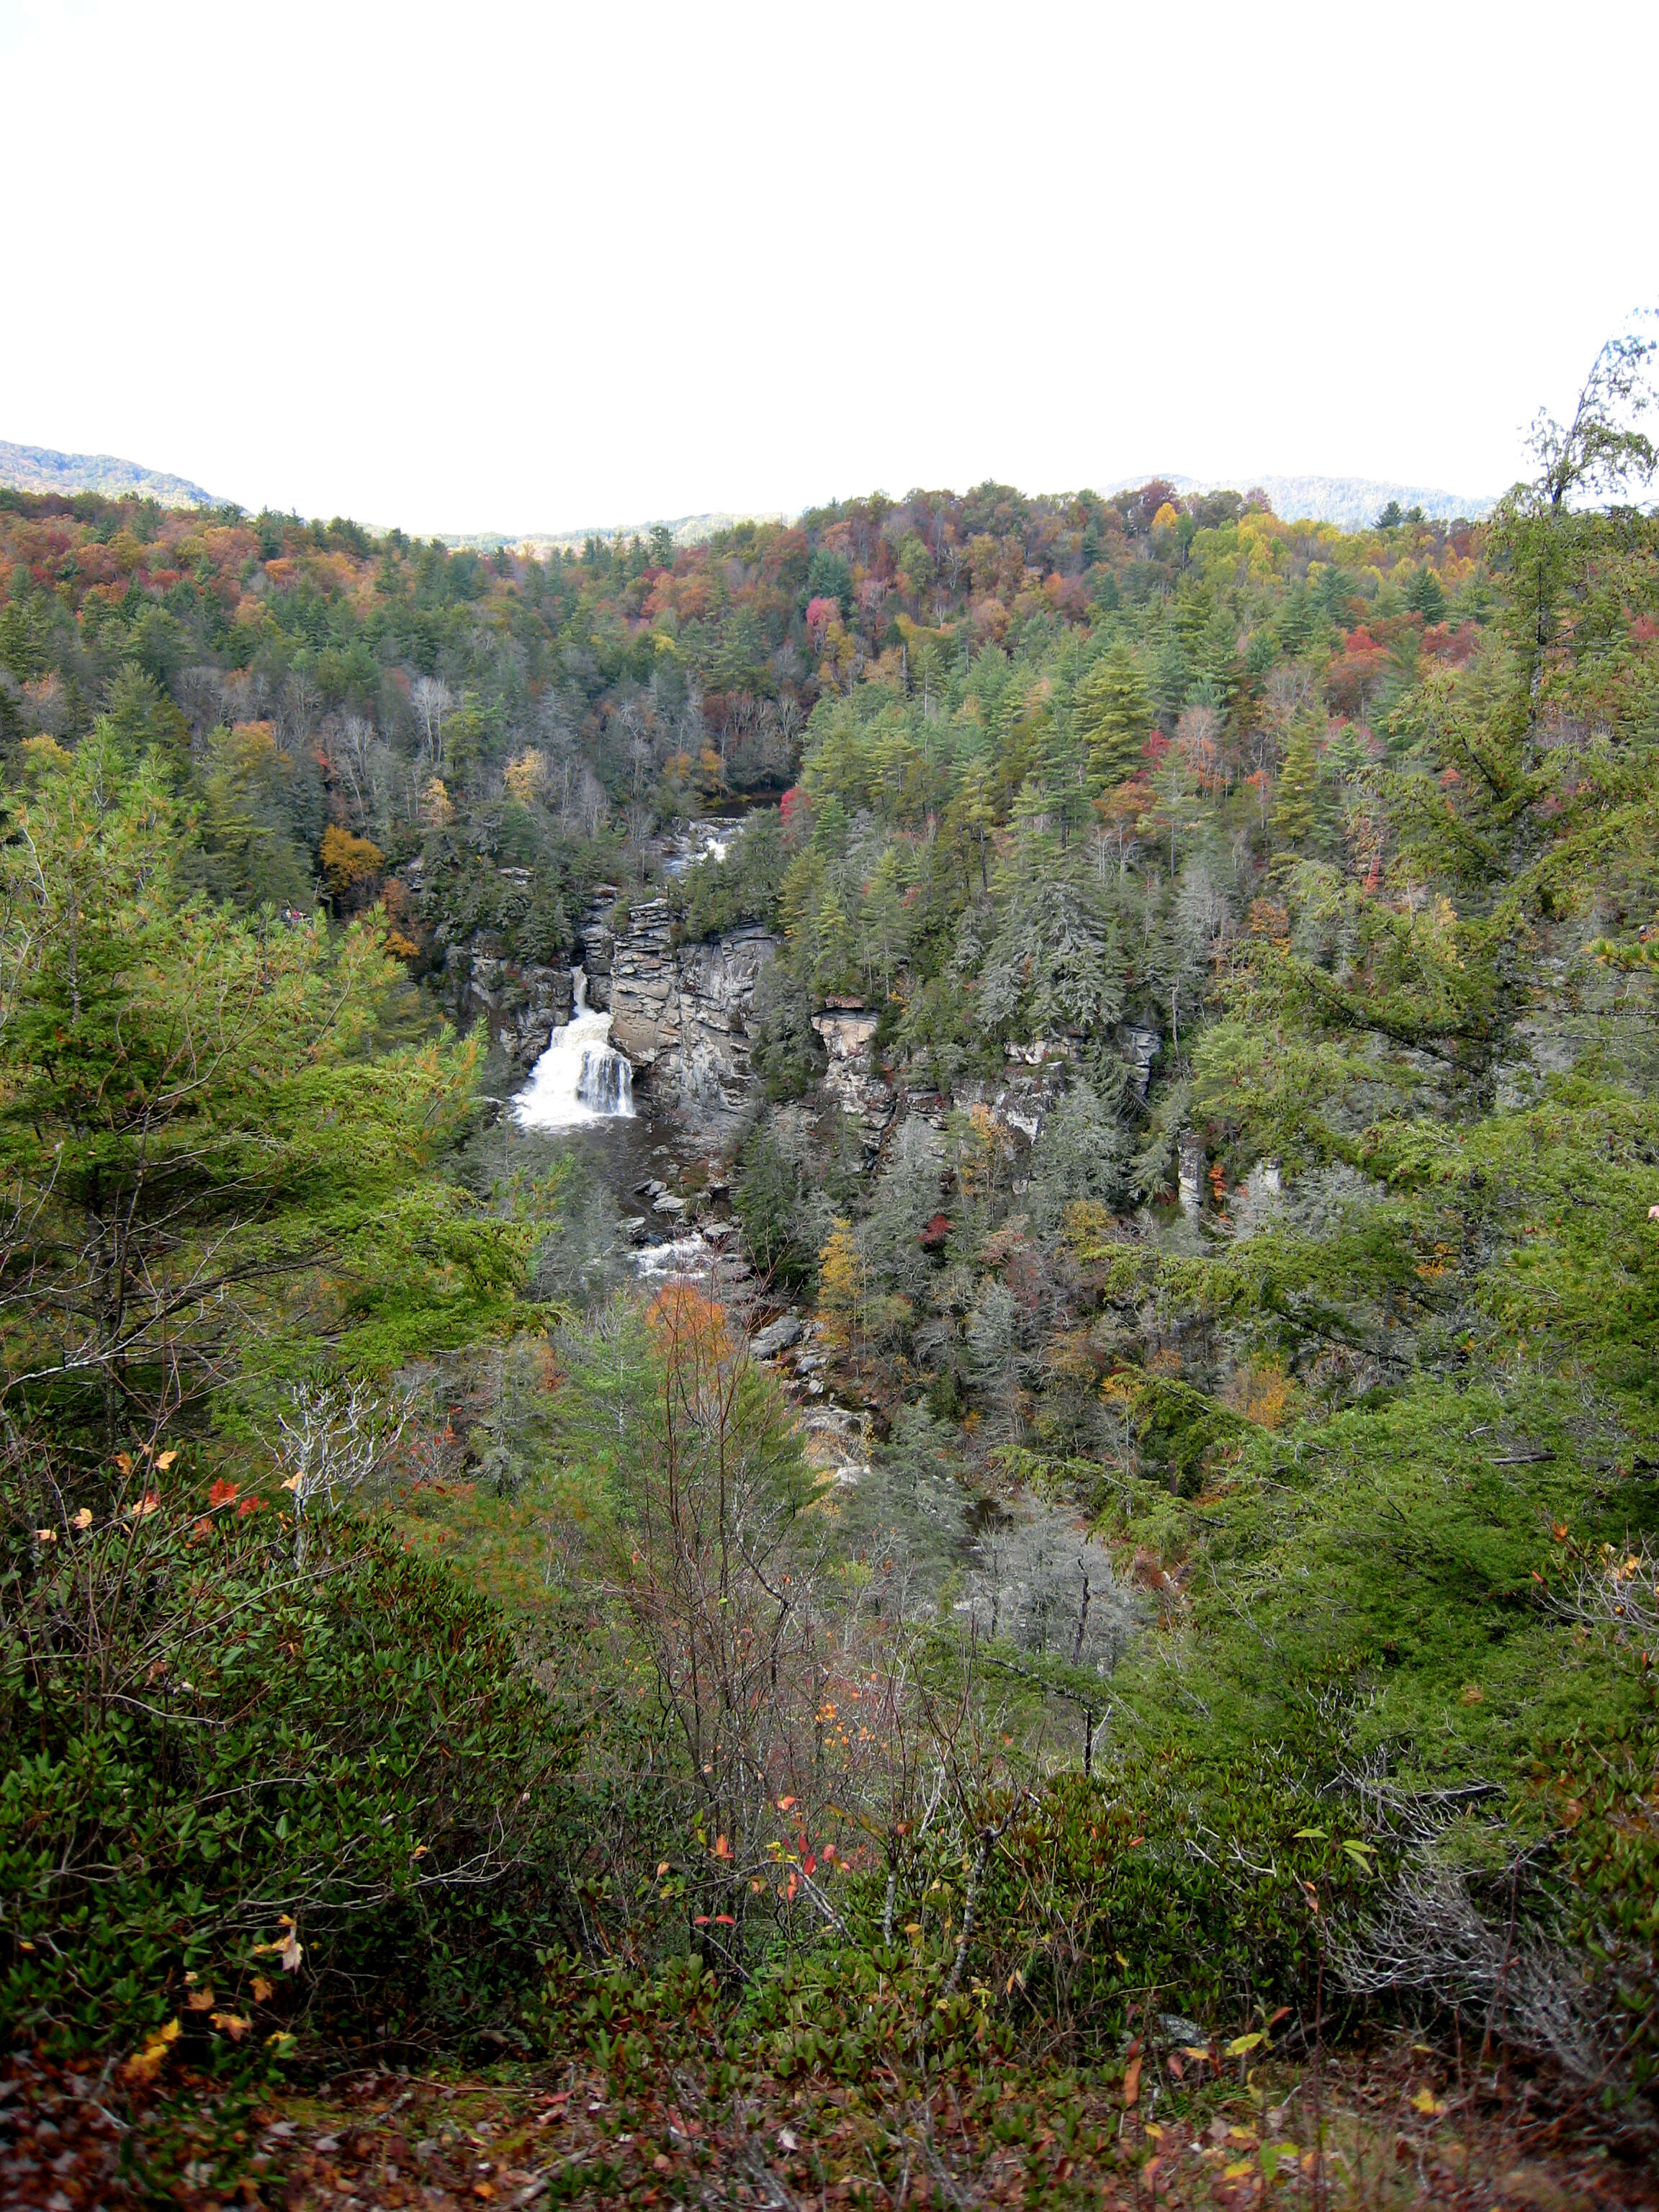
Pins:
x,y
684,529
1352,502
37,468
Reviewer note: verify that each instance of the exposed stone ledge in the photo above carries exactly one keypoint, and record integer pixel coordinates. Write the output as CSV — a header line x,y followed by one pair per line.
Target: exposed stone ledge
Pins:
x,y
682,1014
522,1004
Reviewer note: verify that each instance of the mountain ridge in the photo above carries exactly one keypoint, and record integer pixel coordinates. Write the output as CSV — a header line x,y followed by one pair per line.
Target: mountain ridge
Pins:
x,y
43,468
1352,502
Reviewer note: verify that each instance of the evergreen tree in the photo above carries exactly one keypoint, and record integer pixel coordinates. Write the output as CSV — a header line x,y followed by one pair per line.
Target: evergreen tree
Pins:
x,y
1294,813
1426,596
195,1122
1113,713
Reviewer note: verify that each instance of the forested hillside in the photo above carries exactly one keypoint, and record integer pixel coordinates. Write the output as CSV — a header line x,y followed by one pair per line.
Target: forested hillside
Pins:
x,y
1201,1111
39,469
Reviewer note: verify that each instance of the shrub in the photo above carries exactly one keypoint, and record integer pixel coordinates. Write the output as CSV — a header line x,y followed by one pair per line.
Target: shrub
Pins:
x,y
241,1794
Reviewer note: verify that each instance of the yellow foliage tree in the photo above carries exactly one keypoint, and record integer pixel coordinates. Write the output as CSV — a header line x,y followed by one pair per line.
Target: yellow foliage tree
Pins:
x,y
348,861
841,1288
526,777
1263,1392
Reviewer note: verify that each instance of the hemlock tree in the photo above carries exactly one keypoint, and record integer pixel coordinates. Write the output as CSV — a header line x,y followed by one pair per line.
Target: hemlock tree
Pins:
x,y
1294,814
208,1170
1114,715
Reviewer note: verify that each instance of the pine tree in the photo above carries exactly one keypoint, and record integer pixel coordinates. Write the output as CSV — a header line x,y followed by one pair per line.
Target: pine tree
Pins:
x,y
1425,595
1294,814
1114,716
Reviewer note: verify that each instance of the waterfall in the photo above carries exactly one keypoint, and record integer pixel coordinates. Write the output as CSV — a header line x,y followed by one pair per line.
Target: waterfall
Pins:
x,y
581,1077
606,1082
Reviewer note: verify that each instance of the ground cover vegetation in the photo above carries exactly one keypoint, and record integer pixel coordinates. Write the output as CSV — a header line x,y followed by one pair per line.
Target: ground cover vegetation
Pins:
x,y
417,1644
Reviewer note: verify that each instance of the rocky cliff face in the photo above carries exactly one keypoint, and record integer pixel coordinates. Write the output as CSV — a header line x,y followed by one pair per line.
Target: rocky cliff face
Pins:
x,y
848,1035
522,1005
682,1013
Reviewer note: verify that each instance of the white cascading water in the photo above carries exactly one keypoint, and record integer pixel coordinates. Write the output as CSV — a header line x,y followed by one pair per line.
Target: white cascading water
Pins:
x,y
581,1077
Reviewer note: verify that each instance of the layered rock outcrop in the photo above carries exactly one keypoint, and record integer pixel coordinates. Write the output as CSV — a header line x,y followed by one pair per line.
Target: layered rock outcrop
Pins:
x,y
848,1035
683,1014
522,1004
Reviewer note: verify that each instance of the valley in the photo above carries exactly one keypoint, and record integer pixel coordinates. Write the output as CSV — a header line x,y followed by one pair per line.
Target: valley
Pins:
x,y
829,1355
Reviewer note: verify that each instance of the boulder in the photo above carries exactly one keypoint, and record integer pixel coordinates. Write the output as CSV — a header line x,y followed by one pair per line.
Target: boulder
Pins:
x,y
777,1337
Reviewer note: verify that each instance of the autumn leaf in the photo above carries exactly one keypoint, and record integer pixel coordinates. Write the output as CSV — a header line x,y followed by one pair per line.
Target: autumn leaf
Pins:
x,y
45,1535
262,1990
201,2000
144,2065
1424,2102
289,1948
1132,2080
164,1460
82,1519
232,2024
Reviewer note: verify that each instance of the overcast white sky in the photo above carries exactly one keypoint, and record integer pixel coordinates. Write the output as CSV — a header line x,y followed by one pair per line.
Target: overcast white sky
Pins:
x,y
530,267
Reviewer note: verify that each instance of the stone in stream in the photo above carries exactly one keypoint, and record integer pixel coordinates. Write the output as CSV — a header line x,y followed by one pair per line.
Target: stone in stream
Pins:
x,y
665,1202
777,1336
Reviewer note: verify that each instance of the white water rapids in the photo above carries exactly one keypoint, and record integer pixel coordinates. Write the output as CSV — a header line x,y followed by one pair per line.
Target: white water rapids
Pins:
x,y
581,1077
